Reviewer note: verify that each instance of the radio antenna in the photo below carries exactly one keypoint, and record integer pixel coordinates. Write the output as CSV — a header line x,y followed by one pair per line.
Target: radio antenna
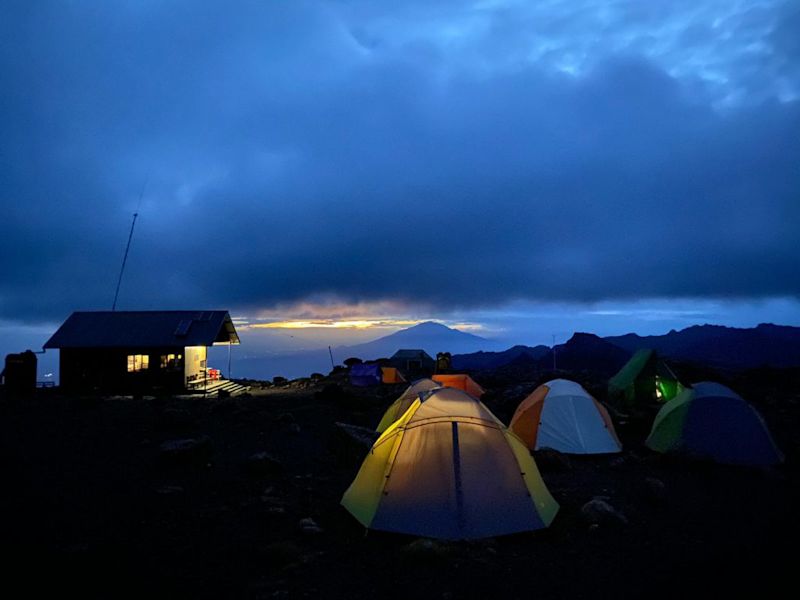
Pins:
x,y
128,247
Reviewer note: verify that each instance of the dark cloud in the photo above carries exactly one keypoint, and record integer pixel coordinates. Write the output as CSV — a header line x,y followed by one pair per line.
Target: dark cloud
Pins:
x,y
311,150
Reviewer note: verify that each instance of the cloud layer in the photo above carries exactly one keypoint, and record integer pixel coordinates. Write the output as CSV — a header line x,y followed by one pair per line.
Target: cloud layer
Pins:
x,y
441,155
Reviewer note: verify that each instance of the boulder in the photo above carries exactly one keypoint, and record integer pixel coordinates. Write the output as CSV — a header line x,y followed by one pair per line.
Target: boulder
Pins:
x,y
186,450
308,526
351,442
654,490
424,550
548,459
598,511
262,463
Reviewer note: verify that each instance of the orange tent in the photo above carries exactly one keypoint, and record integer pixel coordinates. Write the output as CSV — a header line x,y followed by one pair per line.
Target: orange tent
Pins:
x,y
461,382
392,375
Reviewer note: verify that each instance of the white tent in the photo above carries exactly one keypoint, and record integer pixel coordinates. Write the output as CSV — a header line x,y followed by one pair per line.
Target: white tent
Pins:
x,y
561,415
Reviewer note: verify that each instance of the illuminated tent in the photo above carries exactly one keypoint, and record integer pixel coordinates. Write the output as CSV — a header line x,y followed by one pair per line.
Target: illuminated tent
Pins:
x,y
560,414
644,379
365,374
391,375
461,382
406,399
713,422
449,469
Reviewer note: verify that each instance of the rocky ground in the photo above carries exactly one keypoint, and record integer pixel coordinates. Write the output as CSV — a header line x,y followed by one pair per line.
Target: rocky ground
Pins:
x,y
239,498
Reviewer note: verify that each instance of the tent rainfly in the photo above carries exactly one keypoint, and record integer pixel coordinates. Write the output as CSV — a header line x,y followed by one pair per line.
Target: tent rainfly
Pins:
x,y
561,415
366,374
392,375
449,469
713,422
406,399
644,379
460,382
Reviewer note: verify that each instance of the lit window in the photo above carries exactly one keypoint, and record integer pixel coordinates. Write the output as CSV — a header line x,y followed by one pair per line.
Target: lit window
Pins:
x,y
171,361
138,362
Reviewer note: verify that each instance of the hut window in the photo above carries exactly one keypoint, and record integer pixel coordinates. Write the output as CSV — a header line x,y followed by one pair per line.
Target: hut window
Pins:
x,y
171,361
138,362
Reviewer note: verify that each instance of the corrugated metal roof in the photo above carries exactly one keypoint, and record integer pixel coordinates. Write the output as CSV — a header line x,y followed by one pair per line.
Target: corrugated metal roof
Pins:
x,y
406,353
141,329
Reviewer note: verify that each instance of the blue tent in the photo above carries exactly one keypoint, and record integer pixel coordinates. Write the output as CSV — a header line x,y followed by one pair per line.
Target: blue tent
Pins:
x,y
713,422
366,374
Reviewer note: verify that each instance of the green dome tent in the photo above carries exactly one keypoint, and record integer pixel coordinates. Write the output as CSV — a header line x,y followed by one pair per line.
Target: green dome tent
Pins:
x,y
644,379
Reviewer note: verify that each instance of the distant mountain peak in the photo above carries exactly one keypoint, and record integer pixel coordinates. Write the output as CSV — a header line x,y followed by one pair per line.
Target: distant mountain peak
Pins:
x,y
428,326
580,336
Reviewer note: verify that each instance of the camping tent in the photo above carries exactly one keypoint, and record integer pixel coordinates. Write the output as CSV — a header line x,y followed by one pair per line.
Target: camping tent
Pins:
x,y
711,421
560,414
399,406
392,375
461,382
644,379
365,374
449,469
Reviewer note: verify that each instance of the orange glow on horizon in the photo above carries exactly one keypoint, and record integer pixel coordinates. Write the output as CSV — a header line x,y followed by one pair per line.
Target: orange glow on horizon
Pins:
x,y
345,324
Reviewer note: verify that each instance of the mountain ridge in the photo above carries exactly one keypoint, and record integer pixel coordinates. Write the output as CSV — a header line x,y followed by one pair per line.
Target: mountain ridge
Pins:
x,y
713,345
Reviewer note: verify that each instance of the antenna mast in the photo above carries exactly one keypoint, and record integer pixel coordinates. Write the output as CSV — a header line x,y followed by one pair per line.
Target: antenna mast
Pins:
x,y
127,248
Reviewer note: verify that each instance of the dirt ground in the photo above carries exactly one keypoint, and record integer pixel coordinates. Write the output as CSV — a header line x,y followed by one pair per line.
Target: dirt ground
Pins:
x,y
92,505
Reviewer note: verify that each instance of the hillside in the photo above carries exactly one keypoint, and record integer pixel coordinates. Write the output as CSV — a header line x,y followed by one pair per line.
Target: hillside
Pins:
x,y
727,347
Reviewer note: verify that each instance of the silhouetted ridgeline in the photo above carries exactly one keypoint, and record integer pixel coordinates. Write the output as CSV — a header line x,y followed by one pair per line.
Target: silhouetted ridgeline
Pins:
x,y
726,347
729,347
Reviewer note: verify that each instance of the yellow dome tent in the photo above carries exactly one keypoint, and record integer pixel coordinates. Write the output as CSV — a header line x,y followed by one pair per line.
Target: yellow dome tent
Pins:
x,y
449,469
400,406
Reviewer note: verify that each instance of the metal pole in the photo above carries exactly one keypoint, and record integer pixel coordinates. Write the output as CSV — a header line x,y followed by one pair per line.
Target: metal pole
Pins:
x,y
128,246
229,361
554,352
333,366
124,260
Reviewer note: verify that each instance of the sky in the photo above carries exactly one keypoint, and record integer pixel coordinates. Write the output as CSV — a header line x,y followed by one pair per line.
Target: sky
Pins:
x,y
333,171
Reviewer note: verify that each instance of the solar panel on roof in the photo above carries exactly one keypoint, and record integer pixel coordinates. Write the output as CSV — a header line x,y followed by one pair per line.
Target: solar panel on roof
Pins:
x,y
183,327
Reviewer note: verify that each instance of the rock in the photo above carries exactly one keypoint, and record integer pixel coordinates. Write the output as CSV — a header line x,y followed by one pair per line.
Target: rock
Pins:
x,y
599,512
424,550
334,394
286,418
548,459
176,419
186,450
283,553
351,442
617,462
262,463
294,428
308,526
654,490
